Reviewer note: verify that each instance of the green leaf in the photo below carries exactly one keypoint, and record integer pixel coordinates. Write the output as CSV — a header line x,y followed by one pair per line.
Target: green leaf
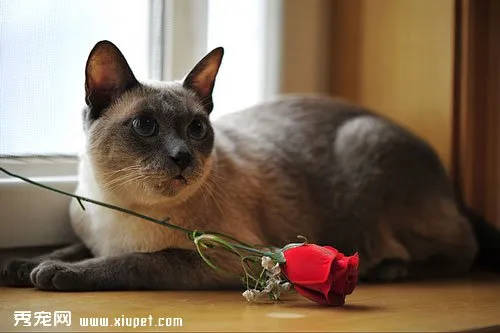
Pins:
x,y
278,257
80,202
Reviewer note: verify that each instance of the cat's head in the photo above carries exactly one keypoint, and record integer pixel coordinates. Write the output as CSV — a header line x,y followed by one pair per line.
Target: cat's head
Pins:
x,y
148,142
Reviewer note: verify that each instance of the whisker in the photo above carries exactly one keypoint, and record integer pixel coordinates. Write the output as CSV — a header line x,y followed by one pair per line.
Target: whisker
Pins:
x,y
122,181
128,168
209,189
218,191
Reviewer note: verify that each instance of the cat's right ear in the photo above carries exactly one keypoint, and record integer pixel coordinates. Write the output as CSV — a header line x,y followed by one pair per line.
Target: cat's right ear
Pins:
x,y
201,79
107,76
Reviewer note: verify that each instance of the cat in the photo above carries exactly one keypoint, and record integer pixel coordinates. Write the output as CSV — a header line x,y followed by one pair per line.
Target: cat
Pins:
x,y
322,167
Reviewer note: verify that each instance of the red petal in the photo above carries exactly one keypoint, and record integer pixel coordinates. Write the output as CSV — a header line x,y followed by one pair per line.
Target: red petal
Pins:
x,y
308,264
345,275
352,279
316,296
354,260
336,300
334,250
313,295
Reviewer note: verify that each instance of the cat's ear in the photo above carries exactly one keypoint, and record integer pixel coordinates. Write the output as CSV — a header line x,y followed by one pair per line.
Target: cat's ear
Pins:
x,y
107,76
201,79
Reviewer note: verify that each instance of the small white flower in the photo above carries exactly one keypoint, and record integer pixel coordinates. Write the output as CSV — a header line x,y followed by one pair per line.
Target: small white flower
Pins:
x,y
251,294
267,263
271,285
276,270
273,282
248,294
285,286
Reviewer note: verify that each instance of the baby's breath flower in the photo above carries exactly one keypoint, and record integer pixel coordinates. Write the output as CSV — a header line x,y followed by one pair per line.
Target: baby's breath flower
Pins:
x,y
276,270
273,269
267,263
251,294
271,286
285,286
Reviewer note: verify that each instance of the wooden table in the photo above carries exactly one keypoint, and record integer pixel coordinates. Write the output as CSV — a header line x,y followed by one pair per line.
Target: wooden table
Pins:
x,y
446,306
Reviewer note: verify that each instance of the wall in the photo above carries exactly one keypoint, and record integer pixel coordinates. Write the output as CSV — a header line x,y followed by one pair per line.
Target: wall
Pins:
x,y
396,56
477,154
305,49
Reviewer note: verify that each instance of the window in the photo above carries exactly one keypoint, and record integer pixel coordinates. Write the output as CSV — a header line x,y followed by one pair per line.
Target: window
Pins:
x,y
44,47
245,77
45,44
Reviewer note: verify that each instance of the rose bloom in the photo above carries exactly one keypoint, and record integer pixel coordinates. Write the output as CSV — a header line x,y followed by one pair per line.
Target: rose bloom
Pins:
x,y
321,273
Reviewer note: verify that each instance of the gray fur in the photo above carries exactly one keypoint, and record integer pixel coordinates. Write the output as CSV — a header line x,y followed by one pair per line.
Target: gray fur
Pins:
x,y
16,272
323,168
130,271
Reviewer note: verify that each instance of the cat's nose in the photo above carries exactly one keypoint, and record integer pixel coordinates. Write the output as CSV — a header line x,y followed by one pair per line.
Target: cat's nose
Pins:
x,y
182,159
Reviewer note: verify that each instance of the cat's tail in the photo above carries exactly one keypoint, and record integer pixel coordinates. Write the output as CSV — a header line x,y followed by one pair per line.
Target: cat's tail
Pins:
x,y
488,238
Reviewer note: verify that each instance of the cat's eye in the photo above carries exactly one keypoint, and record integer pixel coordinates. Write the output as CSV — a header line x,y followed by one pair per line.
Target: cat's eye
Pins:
x,y
144,126
197,129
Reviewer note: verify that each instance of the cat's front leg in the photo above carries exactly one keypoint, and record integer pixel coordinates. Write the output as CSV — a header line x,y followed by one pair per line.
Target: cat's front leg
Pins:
x,y
15,272
168,269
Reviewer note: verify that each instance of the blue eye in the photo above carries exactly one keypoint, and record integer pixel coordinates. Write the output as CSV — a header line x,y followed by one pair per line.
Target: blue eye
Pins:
x,y
197,129
144,126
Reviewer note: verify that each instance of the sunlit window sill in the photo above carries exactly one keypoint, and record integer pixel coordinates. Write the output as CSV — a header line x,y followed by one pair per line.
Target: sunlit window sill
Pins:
x,y
31,216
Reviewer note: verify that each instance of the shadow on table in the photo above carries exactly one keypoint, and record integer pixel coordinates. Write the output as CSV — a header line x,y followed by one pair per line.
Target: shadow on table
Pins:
x,y
346,307
487,329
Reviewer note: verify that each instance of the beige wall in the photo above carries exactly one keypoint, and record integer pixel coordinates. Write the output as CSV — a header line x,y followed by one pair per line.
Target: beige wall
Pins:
x,y
305,50
396,56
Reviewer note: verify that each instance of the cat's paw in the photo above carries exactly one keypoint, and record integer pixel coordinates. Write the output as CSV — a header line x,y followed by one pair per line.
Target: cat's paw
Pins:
x,y
16,272
388,270
57,275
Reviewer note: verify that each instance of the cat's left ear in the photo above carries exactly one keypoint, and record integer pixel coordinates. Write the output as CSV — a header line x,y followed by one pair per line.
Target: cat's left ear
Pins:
x,y
107,76
201,79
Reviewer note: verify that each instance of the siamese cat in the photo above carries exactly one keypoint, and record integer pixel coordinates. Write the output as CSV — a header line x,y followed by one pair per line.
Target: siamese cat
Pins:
x,y
315,166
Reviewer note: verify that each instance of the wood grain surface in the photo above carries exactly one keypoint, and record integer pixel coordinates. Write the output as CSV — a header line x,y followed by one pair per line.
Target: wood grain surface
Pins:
x,y
468,305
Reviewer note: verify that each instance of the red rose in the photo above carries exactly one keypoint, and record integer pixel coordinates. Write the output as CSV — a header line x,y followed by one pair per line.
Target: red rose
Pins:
x,y
321,273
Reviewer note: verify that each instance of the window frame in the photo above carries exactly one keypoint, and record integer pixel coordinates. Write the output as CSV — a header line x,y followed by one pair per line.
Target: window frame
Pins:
x,y
44,217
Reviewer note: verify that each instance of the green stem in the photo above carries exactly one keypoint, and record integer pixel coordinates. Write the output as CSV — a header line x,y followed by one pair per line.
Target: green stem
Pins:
x,y
260,277
251,250
80,198
238,244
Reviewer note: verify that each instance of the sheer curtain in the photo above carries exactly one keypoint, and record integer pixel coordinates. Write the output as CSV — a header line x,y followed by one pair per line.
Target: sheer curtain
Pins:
x,y
44,45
